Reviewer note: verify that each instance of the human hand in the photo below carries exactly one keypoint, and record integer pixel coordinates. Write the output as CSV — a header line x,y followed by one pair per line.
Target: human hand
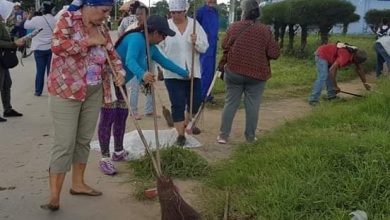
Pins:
x,y
148,77
95,38
193,38
119,80
367,86
20,42
337,89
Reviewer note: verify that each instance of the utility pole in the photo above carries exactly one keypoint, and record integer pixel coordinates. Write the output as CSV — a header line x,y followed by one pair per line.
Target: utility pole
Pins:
x,y
232,11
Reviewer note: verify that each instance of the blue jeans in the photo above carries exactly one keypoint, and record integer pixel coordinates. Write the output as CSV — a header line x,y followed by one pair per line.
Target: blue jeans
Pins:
x,y
179,95
236,85
134,93
42,62
322,78
381,57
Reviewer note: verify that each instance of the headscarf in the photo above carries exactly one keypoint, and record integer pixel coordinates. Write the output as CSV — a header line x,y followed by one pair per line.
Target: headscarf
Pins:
x,y
76,4
178,5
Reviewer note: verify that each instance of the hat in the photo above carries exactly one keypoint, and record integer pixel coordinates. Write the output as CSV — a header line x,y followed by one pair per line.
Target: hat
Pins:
x,y
178,5
17,4
160,24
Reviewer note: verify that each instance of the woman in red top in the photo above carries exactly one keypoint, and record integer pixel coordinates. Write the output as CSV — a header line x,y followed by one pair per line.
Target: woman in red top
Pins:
x,y
77,83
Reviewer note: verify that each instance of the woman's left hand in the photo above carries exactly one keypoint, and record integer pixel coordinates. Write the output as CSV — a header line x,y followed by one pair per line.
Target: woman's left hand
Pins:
x,y
119,80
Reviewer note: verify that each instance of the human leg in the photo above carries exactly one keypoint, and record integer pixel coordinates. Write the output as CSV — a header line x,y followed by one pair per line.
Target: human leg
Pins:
x,y
134,93
252,98
234,89
40,63
322,76
89,113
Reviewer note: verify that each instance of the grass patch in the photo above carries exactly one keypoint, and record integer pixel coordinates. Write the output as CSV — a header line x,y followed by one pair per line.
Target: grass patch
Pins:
x,y
176,162
320,167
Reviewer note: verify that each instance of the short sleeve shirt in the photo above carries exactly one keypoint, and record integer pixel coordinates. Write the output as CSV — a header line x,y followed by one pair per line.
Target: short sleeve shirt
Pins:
x,y
332,54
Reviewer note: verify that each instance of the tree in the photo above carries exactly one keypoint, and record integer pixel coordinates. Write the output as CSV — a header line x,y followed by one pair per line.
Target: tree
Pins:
x,y
160,8
374,18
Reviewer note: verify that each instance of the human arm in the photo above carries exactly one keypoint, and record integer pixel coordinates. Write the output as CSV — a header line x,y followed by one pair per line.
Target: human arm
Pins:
x,y
225,45
31,23
64,45
332,76
167,63
273,51
135,51
362,75
199,39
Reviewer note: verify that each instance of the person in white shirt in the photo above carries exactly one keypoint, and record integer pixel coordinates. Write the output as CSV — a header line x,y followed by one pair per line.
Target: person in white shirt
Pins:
x,y
41,43
382,49
179,49
384,29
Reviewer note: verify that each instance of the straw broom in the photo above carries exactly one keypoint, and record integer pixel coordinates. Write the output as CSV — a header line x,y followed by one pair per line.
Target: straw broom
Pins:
x,y
172,204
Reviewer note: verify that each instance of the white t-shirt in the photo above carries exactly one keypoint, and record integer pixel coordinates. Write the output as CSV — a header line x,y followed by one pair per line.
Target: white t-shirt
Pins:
x,y
43,39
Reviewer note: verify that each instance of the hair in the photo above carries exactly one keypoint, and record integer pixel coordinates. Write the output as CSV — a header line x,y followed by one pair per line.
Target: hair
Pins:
x,y
385,21
47,7
360,56
133,7
253,14
144,7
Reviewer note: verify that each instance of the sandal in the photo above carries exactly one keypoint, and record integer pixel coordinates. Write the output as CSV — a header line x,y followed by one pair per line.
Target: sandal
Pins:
x,y
50,207
89,193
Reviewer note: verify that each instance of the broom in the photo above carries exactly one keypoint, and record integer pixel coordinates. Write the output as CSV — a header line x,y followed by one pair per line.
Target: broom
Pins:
x,y
195,120
172,204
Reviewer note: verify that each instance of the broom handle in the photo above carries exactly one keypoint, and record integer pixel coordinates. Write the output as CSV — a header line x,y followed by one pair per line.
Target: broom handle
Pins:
x,y
192,64
350,93
137,126
158,158
201,108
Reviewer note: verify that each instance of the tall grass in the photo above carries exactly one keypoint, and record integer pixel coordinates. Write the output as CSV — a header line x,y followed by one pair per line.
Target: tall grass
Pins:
x,y
320,167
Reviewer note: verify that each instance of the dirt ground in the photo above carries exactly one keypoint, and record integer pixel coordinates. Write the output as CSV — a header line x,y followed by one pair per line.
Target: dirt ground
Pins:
x,y
25,144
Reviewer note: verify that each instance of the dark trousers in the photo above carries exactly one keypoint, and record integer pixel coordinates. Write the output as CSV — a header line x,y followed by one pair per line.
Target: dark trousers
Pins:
x,y
42,61
381,58
5,88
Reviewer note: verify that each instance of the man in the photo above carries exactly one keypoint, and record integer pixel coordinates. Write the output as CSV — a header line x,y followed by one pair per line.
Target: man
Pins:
x,y
329,58
246,78
382,48
5,77
207,16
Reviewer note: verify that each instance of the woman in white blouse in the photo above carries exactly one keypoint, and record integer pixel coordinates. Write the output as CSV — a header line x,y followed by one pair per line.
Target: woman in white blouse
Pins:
x,y
179,49
42,42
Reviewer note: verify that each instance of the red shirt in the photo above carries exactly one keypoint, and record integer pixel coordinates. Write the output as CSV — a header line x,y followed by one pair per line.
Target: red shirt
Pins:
x,y
332,54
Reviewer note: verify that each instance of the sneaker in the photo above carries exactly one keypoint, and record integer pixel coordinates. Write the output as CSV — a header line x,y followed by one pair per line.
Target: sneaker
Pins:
x,y
313,103
12,113
120,156
107,167
221,140
181,140
150,115
137,116
3,119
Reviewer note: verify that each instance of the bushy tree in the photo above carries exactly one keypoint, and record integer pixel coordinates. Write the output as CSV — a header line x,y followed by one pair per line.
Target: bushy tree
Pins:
x,y
374,18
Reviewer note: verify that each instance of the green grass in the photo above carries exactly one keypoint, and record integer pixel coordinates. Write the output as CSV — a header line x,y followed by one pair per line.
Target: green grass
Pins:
x,y
320,167
293,77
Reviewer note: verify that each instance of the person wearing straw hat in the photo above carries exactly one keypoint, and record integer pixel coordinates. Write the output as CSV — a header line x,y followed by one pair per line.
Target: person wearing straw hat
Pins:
x,y
248,48
78,84
130,19
179,48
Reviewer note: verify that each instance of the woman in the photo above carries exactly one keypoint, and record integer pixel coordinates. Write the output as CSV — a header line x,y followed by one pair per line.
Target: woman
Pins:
x,y
78,83
133,84
179,49
130,19
41,43
247,49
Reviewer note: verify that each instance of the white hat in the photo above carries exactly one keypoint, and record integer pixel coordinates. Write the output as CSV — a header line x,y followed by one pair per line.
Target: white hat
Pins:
x,y
17,4
178,5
